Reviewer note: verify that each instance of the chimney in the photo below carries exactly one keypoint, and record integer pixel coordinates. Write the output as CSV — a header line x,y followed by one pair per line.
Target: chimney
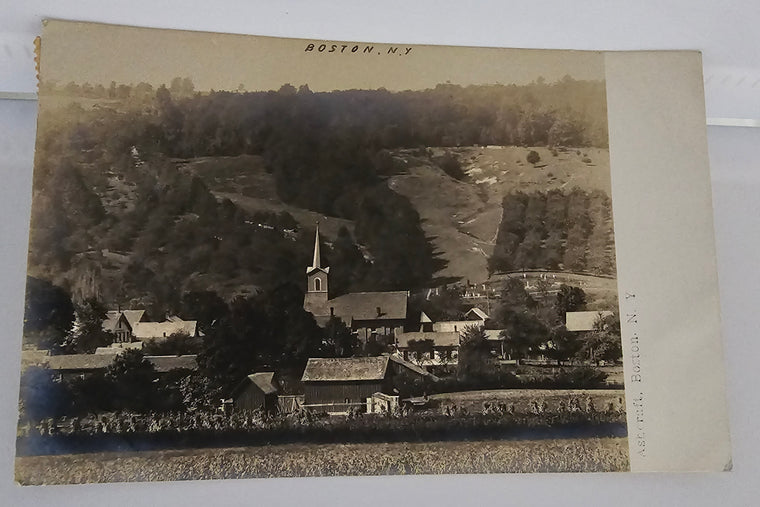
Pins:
x,y
379,313
332,311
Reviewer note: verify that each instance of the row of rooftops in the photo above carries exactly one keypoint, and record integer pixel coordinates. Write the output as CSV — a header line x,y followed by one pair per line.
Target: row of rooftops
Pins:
x,y
575,322
141,330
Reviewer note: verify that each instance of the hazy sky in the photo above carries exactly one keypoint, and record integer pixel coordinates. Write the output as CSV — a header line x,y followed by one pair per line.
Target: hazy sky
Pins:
x,y
95,53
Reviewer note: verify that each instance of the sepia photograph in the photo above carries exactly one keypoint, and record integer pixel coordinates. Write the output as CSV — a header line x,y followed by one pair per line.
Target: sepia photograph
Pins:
x,y
257,257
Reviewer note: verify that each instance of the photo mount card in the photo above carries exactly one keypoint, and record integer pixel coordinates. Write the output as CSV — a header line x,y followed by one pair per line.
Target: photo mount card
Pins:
x,y
264,257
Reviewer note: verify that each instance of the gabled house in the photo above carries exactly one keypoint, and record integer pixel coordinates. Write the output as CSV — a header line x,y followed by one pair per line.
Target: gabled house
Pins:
x,y
122,323
473,317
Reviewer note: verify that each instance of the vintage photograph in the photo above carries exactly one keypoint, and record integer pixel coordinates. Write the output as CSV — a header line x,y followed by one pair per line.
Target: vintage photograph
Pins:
x,y
259,257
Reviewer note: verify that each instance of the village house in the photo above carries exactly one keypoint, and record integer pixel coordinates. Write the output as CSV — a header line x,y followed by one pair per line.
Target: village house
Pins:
x,y
121,323
336,385
584,321
474,317
371,315
257,391
496,339
129,328
445,347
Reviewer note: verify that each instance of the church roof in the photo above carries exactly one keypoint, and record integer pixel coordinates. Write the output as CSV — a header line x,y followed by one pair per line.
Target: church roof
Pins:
x,y
370,306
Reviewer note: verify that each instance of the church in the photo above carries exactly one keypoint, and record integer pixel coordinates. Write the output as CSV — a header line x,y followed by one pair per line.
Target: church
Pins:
x,y
371,315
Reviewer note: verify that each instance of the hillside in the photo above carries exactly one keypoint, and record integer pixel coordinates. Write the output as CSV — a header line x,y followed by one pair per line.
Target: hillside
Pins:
x,y
463,217
244,181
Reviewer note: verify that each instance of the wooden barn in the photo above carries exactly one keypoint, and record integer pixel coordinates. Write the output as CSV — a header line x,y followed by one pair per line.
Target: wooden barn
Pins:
x,y
256,391
335,385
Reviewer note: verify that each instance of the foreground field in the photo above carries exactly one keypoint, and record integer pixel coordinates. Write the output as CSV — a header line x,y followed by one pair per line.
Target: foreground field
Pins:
x,y
523,398
297,460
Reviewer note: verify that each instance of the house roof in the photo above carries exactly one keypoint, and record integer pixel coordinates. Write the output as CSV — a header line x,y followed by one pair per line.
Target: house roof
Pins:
x,y
459,325
494,334
85,362
364,306
163,364
345,369
112,317
477,313
440,339
263,380
406,364
149,330
584,321
78,362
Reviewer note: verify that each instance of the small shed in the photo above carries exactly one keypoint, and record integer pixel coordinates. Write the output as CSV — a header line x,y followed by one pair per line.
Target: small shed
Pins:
x,y
256,391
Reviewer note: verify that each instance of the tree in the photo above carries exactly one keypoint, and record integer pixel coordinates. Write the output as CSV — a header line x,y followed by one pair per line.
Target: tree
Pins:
x,y
131,378
533,157
569,299
603,343
48,314
199,393
475,360
523,334
418,349
339,341
176,344
205,307
88,333
562,344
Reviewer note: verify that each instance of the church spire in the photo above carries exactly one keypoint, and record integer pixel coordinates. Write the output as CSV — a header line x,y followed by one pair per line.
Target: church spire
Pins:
x,y
317,262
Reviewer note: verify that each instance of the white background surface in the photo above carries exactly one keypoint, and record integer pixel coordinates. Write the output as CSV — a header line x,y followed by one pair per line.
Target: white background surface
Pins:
x,y
726,32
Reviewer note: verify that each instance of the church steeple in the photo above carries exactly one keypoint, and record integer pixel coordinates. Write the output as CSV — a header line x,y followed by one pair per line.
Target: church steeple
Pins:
x,y
316,297
317,262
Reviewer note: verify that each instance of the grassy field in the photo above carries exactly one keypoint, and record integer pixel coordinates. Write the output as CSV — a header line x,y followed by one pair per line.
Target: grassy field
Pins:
x,y
463,216
297,460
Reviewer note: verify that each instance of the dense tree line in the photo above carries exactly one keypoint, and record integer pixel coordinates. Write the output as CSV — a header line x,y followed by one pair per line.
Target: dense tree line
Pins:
x,y
555,230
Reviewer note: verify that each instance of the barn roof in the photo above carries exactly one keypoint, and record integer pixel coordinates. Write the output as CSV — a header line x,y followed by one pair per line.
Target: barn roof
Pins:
x,y
150,330
264,380
345,368
583,321
76,362
364,305
440,339
88,362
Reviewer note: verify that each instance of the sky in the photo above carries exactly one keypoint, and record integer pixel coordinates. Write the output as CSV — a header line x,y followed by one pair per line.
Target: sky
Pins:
x,y
99,54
